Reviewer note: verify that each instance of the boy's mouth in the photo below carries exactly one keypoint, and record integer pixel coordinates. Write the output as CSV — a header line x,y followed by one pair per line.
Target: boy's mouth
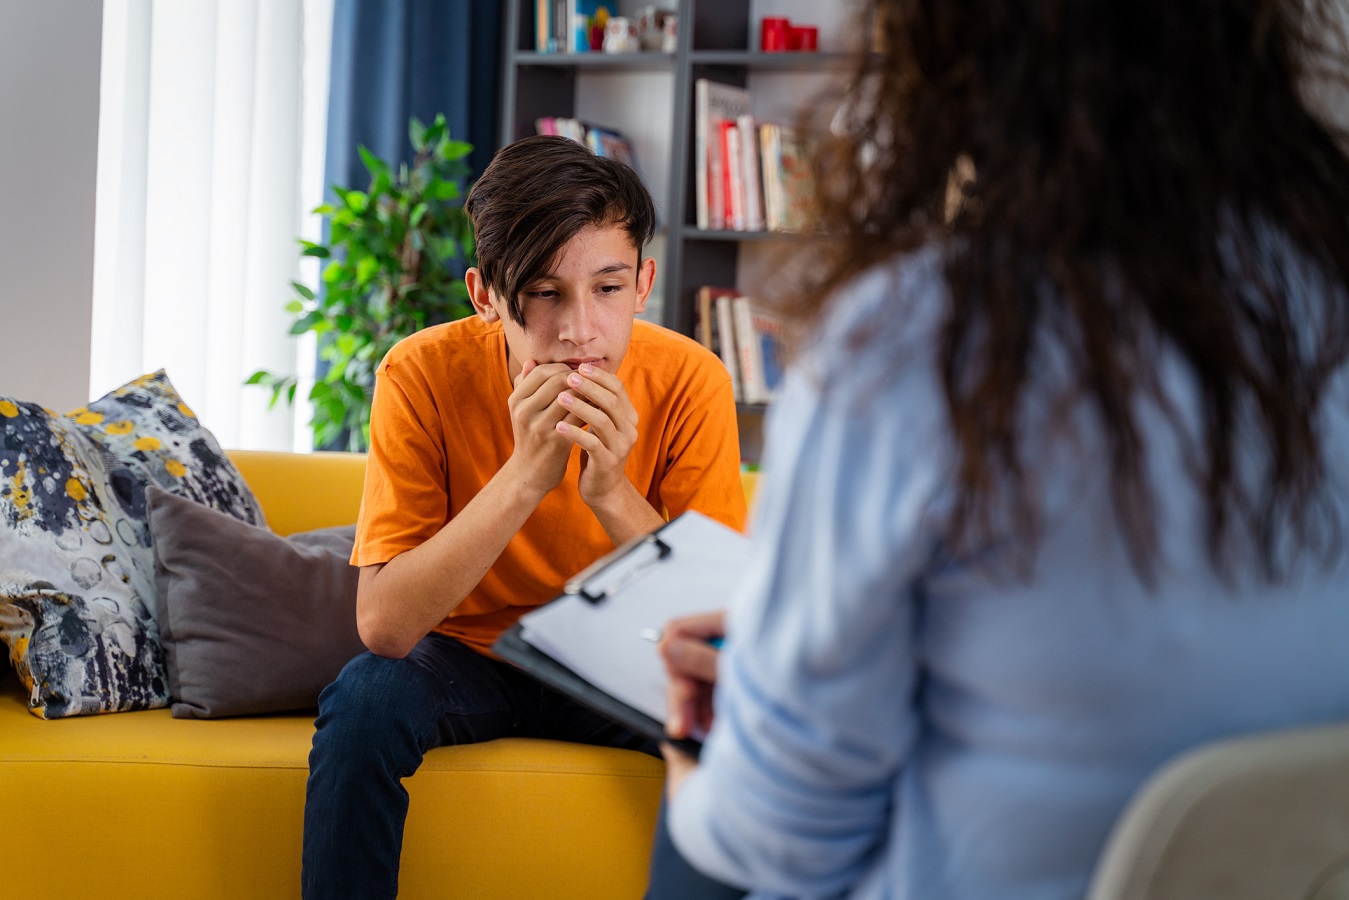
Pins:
x,y
577,363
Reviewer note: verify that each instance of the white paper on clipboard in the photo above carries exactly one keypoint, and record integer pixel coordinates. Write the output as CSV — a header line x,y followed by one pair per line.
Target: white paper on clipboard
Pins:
x,y
601,629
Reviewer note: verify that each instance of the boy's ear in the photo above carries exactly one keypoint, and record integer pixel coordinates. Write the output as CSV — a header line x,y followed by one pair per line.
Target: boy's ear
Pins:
x,y
480,295
646,279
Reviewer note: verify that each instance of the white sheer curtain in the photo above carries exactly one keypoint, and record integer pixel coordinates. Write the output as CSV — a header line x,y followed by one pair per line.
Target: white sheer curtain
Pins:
x,y
211,135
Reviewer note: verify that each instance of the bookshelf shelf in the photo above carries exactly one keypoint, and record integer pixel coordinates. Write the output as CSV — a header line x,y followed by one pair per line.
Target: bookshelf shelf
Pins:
x,y
631,62
754,59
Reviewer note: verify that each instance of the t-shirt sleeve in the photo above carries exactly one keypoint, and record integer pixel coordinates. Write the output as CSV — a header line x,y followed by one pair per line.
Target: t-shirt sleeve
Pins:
x,y
406,498
703,458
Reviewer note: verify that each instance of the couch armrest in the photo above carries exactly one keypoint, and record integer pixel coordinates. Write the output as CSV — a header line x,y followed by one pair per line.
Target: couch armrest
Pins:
x,y
304,491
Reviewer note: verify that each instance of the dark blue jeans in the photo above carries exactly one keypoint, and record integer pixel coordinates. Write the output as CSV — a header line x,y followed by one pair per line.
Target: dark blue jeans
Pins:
x,y
672,878
375,724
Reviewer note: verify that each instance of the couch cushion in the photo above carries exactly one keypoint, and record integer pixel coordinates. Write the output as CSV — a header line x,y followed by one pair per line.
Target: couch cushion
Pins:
x,y
76,570
250,622
166,808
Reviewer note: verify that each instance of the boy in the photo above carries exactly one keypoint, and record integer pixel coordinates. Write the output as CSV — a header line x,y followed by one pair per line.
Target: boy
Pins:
x,y
508,451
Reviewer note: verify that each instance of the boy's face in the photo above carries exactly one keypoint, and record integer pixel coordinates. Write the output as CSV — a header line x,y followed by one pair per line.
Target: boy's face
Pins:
x,y
581,311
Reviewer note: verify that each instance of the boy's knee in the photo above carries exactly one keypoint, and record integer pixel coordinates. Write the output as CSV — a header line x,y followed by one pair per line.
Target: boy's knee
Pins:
x,y
373,695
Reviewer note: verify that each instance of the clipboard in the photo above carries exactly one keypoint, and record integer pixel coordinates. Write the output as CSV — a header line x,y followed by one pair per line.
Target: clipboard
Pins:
x,y
594,642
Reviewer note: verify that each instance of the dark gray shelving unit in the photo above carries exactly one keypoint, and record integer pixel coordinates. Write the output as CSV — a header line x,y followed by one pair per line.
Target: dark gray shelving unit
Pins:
x,y
713,39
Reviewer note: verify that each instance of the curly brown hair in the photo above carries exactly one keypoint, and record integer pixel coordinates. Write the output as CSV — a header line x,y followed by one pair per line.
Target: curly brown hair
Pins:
x,y
1119,168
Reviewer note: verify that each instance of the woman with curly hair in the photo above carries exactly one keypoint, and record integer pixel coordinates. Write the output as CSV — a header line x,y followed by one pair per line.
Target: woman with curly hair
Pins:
x,y
1057,486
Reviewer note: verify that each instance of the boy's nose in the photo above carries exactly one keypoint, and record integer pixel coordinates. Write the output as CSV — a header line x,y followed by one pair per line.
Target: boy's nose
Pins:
x,y
578,323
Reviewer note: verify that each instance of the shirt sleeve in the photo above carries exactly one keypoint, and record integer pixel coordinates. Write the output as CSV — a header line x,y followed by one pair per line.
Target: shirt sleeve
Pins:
x,y
703,457
815,714
405,500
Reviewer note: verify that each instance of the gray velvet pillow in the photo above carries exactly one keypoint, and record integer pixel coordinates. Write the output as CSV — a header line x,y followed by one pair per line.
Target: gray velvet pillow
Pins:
x,y
250,622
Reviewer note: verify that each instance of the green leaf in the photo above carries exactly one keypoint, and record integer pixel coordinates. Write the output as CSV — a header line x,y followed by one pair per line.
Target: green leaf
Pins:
x,y
417,133
317,251
434,133
457,149
356,201
258,377
373,164
442,190
382,184
306,323
294,307
366,268
303,290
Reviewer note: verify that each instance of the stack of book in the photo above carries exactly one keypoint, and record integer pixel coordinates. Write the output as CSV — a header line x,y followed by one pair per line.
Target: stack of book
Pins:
x,y
748,175
745,337
602,141
564,26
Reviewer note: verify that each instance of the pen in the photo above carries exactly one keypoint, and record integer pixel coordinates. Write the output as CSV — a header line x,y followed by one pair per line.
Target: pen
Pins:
x,y
654,634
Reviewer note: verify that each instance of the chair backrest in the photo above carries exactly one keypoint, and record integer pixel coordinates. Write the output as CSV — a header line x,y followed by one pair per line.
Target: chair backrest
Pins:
x,y
1257,818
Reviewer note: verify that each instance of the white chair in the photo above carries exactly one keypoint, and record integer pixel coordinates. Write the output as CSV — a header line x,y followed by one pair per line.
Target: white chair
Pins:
x,y
1255,818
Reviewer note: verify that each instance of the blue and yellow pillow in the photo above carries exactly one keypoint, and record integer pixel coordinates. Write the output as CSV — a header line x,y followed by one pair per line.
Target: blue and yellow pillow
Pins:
x,y
76,565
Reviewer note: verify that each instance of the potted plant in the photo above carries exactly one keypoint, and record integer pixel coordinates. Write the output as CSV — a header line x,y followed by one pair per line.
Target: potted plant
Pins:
x,y
396,256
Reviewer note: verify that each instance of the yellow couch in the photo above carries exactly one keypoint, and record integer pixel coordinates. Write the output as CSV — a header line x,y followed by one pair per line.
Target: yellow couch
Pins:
x,y
147,806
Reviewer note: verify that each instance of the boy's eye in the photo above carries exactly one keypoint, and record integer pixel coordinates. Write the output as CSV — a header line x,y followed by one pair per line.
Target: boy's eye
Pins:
x,y
610,288
541,294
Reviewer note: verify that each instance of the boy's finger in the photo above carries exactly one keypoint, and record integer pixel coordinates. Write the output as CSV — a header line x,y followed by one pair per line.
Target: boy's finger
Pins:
x,y
532,374
600,424
607,393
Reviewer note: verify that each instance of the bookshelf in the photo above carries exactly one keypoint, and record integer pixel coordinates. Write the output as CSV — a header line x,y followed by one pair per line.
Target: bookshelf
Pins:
x,y
649,97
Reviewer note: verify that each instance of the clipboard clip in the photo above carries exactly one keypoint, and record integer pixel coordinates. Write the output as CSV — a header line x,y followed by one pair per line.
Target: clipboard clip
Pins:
x,y
610,573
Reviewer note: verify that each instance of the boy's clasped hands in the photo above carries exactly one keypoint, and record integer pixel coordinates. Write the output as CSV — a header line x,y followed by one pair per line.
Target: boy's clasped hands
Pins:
x,y
555,407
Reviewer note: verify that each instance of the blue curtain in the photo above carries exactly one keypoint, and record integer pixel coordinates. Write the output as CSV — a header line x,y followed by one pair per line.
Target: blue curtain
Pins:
x,y
395,59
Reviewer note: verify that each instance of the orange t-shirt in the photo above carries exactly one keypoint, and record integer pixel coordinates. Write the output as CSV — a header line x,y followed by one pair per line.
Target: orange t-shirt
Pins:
x,y
440,428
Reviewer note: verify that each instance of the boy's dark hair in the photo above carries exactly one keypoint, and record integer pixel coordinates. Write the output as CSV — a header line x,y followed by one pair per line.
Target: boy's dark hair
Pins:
x,y
536,194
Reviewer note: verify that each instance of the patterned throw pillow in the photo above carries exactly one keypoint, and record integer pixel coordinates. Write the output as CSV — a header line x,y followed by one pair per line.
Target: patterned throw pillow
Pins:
x,y
76,565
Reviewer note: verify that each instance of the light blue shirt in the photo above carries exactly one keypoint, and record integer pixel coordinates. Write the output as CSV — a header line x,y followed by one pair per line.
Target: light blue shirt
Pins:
x,y
891,724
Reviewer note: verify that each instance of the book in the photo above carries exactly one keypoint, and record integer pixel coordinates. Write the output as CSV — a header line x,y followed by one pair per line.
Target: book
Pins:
x,y
707,329
768,335
596,642
713,102
749,162
726,342
609,143
753,388
770,159
543,26
732,180
797,181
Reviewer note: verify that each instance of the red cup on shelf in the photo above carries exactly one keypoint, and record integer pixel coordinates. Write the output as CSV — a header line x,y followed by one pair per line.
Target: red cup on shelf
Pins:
x,y
803,37
774,34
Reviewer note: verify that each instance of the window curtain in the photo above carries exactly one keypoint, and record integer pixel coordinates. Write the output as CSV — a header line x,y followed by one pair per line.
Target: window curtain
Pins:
x,y
203,148
396,59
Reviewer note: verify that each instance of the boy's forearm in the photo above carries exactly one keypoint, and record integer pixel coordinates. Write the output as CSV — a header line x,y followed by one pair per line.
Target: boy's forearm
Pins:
x,y
625,514
402,601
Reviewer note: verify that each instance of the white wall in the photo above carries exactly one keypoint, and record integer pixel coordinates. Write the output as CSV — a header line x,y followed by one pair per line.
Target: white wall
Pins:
x,y
49,74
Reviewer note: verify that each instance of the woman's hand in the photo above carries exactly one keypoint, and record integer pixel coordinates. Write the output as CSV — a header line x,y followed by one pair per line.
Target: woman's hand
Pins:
x,y
690,657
